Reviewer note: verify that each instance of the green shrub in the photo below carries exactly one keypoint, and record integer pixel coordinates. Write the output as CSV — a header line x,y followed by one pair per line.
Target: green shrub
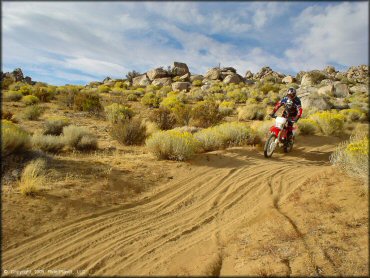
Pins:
x,y
131,132
225,135
226,107
151,100
32,112
205,114
44,94
163,117
14,138
12,96
251,112
330,123
118,113
26,90
79,138
6,115
353,115
55,125
131,97
88,102
237,96
307,126
182,113
352,156
173,145
171,101
266,87
47,143
103,89
30,100
197,83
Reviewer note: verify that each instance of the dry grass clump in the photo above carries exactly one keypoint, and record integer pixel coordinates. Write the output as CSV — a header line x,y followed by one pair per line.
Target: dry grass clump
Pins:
x,y
225,135
14,138
118,113
352,156
329,123
172,144
307,126
33,177
54,126
131,132
30,100
47,143
12,96
251,112
32,112
79,138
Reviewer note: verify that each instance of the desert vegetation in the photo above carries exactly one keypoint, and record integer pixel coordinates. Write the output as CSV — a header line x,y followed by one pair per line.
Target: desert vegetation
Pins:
x,y
83,148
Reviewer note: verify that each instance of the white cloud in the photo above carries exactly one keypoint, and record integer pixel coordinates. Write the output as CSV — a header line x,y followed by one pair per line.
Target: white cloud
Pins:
x,y
109,39
334,34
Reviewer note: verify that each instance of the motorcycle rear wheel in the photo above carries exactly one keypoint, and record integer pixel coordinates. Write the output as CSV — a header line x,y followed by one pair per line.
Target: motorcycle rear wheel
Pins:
x,y
270,146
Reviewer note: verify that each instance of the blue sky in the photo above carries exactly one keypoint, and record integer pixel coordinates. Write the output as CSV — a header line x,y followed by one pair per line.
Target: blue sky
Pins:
x,y
79,42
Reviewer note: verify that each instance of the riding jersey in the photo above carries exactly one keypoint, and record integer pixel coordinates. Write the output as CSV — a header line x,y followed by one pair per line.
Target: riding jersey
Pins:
x,y
294,111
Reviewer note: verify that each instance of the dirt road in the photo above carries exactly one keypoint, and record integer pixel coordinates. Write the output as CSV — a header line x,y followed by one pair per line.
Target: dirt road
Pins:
x,y
229,212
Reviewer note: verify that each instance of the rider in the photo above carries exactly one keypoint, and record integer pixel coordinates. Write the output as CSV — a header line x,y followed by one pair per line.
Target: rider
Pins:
x,y
292,111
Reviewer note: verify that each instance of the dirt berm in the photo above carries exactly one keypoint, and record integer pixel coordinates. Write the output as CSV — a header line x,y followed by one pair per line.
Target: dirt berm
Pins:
x,y
230,212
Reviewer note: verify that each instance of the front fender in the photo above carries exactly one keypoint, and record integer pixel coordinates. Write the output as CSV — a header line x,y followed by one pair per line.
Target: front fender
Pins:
x,y
275,130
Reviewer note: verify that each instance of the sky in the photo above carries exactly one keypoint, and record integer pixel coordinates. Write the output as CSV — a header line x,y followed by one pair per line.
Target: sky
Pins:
x,y
79,42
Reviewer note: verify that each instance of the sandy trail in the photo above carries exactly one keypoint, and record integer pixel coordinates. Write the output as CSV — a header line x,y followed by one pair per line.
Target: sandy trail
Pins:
x,y
189,226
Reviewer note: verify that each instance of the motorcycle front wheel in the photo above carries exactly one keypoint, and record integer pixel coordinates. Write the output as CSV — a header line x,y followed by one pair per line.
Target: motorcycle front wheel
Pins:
x,y
270,146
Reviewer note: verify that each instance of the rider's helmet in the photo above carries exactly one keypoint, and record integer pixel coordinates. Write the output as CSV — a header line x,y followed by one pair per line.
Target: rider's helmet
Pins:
x,y
291,93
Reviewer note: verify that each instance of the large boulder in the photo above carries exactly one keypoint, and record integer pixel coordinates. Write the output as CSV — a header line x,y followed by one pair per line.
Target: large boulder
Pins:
x,y
141,80
196,77
17,74
165,81
213,74
341,90
179,86
315,101
288,79
326,90
185,77
248,75
28,80
359,88
156,73
358,74
233,78
179,69
312,78
330,70
267,72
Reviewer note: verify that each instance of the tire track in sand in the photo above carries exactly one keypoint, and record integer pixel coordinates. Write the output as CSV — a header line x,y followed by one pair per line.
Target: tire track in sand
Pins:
x,y
142,237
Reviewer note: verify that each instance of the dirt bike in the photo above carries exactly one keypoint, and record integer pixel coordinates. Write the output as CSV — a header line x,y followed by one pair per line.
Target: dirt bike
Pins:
x,y
279,137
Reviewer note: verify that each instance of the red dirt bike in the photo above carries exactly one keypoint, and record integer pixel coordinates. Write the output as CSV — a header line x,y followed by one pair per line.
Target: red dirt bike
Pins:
x,y
278,137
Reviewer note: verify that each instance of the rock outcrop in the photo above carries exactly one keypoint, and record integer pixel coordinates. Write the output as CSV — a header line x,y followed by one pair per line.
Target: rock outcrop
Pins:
x,y
141,80
180,86
157,73
180,69
233,78
213,74
288,79
267,72
165,81
17,76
